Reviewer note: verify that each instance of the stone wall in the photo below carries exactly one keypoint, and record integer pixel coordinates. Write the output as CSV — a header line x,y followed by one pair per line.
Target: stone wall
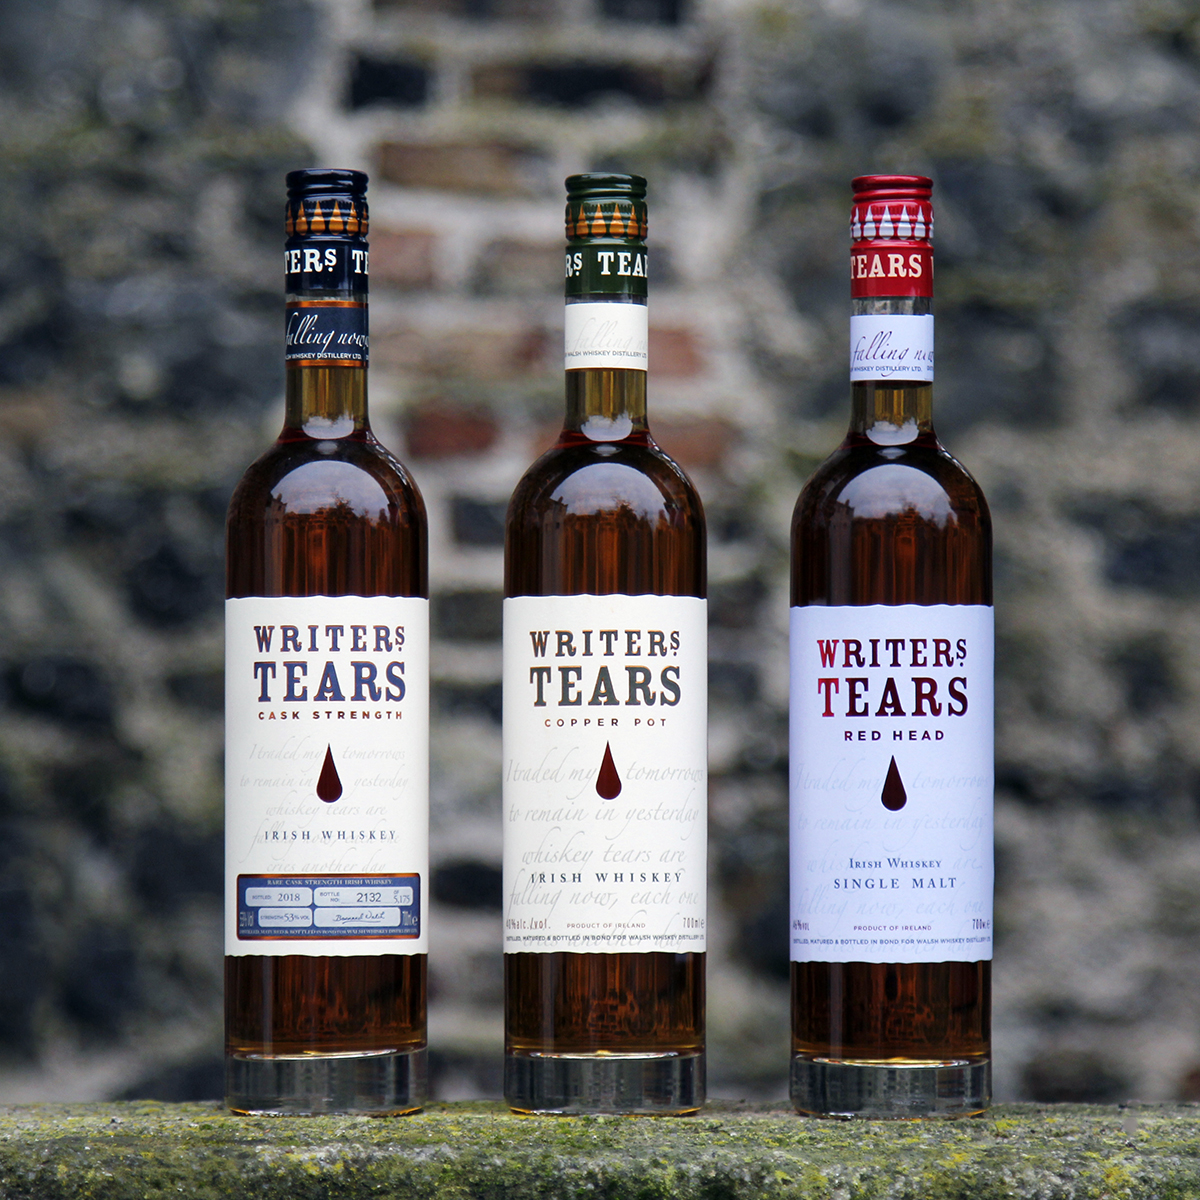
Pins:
x,y
142,149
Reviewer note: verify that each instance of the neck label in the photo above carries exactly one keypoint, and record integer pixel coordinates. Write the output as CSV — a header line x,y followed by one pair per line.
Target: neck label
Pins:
x,y
326,333
326,265
606,334
891,347
891,270
607,269
891,783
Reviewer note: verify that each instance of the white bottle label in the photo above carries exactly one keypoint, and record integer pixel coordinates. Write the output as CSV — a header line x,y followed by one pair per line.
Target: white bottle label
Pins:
x,y
606,334
605,773
891,347
891,783
326,775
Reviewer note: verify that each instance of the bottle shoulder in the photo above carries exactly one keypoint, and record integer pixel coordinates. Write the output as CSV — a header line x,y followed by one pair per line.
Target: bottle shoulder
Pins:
x,y
864,480
577,477
891,525
300,475
330,518
605,517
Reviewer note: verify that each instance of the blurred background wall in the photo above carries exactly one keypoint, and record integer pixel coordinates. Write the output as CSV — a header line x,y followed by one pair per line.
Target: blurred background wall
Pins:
x,y
142,152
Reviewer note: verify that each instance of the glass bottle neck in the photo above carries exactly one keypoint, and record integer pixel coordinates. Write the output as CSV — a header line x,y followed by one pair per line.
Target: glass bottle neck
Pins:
x,y
326,402
891,412
606,404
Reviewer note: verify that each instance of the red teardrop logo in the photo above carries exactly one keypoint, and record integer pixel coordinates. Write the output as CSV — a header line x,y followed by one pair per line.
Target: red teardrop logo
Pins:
x,y
894,796
608,782
329,786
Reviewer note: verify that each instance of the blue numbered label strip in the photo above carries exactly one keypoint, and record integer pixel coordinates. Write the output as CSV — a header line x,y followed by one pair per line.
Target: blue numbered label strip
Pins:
x,y
328,906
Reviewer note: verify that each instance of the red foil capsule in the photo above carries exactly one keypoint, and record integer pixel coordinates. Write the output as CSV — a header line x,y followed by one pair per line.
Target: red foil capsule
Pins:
x,y
891,236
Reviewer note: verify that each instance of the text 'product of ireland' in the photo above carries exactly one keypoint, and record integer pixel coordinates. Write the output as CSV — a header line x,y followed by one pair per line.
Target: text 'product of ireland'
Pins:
x,y
891,708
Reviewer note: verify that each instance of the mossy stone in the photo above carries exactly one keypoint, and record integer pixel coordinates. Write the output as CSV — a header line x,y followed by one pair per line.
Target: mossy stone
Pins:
x,y
480,1151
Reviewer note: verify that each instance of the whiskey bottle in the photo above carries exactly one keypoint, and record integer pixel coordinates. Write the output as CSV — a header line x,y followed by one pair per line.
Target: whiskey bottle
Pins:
x,y
326,703
605,706
891,718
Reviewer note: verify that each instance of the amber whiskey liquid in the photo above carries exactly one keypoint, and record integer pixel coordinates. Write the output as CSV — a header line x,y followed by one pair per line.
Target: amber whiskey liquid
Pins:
x,y
605,513
328,513
891,519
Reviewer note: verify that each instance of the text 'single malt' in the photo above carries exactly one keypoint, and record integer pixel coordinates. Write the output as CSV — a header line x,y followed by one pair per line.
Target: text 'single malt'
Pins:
x,y
605,711
327,715
891,717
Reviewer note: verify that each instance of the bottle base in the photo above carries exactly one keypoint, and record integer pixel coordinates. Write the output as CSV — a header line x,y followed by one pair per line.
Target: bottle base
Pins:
x,y
650,1084
384,1083
830,1087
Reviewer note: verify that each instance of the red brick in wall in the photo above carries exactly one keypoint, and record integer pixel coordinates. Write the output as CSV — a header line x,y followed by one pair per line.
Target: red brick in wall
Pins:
x,y
489,168
701,443
674,353
402,257
485,354
449,432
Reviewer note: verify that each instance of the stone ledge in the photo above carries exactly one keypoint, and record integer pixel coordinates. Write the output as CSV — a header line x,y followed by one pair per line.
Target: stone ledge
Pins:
x,y
468,1151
